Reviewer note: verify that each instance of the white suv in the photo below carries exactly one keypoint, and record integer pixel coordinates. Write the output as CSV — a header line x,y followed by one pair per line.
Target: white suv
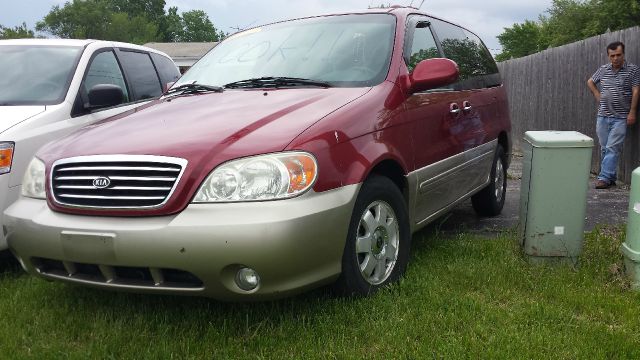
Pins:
x,y
51,87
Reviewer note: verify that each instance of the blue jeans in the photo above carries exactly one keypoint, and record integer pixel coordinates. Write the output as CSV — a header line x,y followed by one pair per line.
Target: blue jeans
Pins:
x,y
611,132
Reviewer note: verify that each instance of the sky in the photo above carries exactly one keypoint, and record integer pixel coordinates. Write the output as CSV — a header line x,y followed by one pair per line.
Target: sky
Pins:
x,y
487,18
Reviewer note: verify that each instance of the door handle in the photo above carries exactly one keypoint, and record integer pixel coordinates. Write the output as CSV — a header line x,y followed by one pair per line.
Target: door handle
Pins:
x,y
466,106
454,109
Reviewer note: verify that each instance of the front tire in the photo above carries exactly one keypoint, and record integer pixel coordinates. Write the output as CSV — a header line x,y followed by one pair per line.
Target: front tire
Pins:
x,y
377,247
490,200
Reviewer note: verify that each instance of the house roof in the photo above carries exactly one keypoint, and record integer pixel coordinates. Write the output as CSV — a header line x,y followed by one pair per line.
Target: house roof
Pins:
x,y
182,50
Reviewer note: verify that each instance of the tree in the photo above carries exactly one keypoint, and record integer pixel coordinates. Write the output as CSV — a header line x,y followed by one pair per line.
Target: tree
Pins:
x,y
423,54
471,57
80,20
197,27
615,15
137,30
153,10
519,40
222,35
17,32
135,21
568,21
171,26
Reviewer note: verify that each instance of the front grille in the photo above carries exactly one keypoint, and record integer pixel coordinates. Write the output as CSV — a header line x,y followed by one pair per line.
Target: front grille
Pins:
x,y
115,182
117,275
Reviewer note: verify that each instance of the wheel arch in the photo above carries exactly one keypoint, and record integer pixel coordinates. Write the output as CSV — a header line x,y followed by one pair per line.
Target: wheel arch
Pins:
x,y
391,169
504,140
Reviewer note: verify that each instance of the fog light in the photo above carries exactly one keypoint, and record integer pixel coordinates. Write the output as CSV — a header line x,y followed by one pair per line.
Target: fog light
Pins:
x,y
247,279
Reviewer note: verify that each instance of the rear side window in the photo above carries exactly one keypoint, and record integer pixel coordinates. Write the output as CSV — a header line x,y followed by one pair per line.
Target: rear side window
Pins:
x,y
166,68
484,63
104,69
486,69
141,74
477,68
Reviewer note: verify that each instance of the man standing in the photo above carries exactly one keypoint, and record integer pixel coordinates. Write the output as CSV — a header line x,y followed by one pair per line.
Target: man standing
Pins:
x,y
619,87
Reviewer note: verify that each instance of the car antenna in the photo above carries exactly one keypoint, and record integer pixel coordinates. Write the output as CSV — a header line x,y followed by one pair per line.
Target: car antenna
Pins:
x,y
238,28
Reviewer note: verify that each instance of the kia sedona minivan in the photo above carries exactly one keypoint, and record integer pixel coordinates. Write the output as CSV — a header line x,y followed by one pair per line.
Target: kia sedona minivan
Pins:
x,y
51,87
292,155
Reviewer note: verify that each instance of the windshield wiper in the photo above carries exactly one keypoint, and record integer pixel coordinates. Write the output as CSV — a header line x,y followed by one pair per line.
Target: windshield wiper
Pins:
x,y
192,89
276,82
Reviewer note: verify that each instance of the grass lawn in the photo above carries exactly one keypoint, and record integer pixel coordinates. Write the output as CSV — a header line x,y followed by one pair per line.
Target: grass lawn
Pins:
x,y
463,297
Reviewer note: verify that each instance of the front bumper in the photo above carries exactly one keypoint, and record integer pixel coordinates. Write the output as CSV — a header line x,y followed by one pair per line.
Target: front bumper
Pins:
x,y
293,245
8,195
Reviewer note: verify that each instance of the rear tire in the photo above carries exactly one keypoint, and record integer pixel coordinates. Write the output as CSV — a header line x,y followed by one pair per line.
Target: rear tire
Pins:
x,y
377,246
490,200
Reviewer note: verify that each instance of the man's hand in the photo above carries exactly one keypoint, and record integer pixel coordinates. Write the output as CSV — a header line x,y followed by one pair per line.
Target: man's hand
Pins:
x,y
631,118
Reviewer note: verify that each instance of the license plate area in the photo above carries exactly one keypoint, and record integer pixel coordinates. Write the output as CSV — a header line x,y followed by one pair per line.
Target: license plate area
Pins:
x,y
88,247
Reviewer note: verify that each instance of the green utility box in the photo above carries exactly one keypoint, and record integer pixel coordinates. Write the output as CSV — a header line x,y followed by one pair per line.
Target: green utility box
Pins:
x,y
553,194
631,247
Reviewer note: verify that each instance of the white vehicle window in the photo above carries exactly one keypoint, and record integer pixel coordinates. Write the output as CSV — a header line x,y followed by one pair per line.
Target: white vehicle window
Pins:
x,y
104,69
36,75
166,68
141,74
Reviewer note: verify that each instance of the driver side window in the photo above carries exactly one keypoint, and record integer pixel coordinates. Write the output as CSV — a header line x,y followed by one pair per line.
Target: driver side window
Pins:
x,y
423,45
104,69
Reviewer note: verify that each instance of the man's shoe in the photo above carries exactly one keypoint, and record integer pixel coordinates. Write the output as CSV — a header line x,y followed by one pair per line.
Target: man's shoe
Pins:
x,y
602,184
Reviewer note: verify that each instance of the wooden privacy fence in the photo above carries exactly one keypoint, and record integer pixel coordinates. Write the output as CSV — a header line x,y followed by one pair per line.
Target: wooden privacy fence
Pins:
x,y
548,91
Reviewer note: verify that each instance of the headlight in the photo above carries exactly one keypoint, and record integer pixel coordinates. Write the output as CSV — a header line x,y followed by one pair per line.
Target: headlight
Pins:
x,y
33,181
264,177
6,156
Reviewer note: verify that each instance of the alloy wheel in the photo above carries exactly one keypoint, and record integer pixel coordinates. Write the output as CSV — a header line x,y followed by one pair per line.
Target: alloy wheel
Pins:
x,y
377,242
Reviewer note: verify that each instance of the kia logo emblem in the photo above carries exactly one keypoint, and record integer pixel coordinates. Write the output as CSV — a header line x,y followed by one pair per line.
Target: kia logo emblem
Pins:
x,y
101,182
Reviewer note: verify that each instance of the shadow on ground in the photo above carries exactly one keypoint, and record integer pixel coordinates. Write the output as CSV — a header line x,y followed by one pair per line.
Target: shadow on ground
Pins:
x,y
8,264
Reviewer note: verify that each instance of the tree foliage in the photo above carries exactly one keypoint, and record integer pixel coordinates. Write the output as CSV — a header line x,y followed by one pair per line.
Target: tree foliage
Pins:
x,y
196,27
96,19
17,32
134,21
471,57
568,21
520,40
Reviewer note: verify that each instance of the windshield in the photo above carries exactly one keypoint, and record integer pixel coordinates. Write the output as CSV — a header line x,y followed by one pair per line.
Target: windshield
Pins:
x,y
343,51
36,75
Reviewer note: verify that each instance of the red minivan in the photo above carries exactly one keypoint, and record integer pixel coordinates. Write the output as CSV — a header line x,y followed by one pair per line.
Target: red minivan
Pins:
x,y
292,155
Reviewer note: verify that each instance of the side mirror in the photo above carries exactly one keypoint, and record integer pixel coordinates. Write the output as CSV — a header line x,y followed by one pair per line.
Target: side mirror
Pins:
x,y
105,95
433,73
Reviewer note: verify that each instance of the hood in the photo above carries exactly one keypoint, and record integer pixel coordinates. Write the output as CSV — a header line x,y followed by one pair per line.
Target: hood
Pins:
x,y
12,115
224,125
205,129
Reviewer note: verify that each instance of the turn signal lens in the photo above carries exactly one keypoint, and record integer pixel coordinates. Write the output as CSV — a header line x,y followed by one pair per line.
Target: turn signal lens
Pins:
x,y
6,156
302,171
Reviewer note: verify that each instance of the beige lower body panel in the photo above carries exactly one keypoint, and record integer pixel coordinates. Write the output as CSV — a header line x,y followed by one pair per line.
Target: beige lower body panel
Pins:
x,y
293,244
437,188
